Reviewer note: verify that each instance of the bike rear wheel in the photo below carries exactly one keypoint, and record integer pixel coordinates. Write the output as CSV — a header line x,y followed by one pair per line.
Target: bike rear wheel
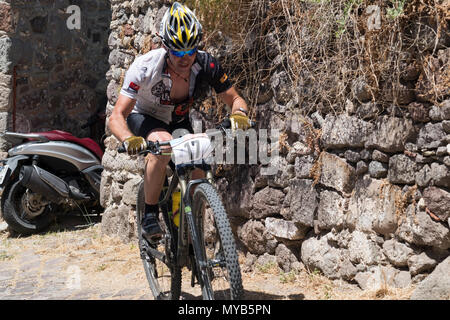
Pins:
x,y
221,278
163,276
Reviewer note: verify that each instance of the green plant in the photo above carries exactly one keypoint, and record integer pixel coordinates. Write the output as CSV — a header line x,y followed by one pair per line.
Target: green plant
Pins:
x,y
315,273
397,10
342,21
4,256
327,294
268,267
288,277
102,267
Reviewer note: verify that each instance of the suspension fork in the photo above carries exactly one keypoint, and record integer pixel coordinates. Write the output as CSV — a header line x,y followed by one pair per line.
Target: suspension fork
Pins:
x,y
188,217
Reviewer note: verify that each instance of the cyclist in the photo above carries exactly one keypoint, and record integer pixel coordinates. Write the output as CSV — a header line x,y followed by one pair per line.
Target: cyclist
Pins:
x,y
159,89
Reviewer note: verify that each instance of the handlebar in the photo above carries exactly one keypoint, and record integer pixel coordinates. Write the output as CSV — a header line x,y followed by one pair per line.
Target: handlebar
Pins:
x,y
154,147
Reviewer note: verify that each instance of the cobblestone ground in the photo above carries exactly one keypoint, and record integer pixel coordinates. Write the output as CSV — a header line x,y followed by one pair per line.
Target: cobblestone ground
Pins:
x,y
31,277
83,264
74,265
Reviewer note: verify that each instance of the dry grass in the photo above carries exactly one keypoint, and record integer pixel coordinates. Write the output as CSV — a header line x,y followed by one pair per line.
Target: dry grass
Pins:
x,y
316,170
312,285
324,47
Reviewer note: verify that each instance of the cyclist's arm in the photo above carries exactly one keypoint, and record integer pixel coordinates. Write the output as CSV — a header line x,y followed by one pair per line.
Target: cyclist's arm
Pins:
x,y
117,122
233,100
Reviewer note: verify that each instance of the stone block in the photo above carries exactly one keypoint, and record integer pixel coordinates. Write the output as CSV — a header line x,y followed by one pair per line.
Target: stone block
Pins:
x,y
373,206
6,18
344,132
319,254
436,286
331,210
5,92
383,277
438,201
266,203
130,191
378,169
418,228
402,170
363,250
397,252
5,55
390,134
431,136
336,173
256,238
285,229
421,263
300,203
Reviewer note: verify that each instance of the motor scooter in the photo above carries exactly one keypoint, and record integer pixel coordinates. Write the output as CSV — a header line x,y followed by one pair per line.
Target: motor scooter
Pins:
x,y
47,174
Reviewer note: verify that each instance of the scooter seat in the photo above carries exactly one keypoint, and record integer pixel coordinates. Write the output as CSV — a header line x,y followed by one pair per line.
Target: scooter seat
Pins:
x,y
88,143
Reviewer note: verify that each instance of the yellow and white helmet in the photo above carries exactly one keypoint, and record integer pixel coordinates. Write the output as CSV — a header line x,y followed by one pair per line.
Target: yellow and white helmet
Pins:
x,y
180,30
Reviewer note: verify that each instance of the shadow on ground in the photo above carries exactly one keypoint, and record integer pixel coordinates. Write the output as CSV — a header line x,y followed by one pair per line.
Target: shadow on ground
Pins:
x,y
252,295
72,221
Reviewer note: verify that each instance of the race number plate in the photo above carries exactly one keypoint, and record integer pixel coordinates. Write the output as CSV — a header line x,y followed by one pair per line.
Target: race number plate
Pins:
x,y
191,148
3,172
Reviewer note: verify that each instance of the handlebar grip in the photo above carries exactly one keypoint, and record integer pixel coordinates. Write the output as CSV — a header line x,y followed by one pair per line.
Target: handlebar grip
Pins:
x,y
226,124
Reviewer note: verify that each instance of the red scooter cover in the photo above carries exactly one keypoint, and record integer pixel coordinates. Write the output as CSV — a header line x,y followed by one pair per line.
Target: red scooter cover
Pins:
x,y
57,135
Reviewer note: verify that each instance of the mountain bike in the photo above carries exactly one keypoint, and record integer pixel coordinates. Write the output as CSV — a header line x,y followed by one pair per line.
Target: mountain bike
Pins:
x,y
203,240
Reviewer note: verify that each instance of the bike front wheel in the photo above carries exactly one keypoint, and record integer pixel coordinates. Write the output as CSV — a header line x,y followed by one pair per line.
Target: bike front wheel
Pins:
x,y
220,272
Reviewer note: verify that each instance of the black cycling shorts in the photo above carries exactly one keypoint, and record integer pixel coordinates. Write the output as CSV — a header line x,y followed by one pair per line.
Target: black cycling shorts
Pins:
x,y
142,124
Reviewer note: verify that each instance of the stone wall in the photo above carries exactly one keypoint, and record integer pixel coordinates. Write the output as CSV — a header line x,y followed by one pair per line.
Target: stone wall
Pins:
x,y
360,194
374,198
59,72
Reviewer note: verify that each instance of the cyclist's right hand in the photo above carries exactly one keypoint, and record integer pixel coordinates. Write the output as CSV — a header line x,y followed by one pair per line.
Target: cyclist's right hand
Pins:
x,y
239,121
134,145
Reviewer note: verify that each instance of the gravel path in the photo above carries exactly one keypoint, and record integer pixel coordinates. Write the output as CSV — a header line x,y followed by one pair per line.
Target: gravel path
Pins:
x,y
82,264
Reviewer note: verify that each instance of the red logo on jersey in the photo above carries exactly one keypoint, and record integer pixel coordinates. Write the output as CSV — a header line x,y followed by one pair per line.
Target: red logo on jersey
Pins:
x,y
182,110
134,87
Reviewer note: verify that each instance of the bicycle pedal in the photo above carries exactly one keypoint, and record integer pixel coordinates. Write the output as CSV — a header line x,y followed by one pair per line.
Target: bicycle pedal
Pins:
x,y
154,240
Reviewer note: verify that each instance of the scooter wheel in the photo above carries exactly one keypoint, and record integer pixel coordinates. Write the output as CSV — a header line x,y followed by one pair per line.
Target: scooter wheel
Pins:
x,y
16,215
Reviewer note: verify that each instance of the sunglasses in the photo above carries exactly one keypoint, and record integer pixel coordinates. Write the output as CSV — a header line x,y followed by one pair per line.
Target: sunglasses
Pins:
x,y
181,54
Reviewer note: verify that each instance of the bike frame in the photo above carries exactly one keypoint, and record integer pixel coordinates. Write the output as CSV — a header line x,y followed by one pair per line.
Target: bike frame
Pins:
x,y
187,221
180,249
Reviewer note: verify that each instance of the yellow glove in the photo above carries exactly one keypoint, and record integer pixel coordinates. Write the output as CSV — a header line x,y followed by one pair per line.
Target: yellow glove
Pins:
x,y
134,144
239,121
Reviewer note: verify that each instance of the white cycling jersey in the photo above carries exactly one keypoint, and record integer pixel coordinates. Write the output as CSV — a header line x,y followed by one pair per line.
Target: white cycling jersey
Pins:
x,y
148,82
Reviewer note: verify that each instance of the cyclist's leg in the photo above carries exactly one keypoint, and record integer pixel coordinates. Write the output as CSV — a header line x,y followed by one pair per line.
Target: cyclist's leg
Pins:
x,y
155,169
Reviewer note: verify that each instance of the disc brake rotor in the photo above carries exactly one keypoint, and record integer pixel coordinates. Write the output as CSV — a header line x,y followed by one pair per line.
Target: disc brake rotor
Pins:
x,y
33,204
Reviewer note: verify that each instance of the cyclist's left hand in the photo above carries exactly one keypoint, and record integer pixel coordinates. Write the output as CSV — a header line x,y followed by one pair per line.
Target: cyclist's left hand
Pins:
x,y
239,121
